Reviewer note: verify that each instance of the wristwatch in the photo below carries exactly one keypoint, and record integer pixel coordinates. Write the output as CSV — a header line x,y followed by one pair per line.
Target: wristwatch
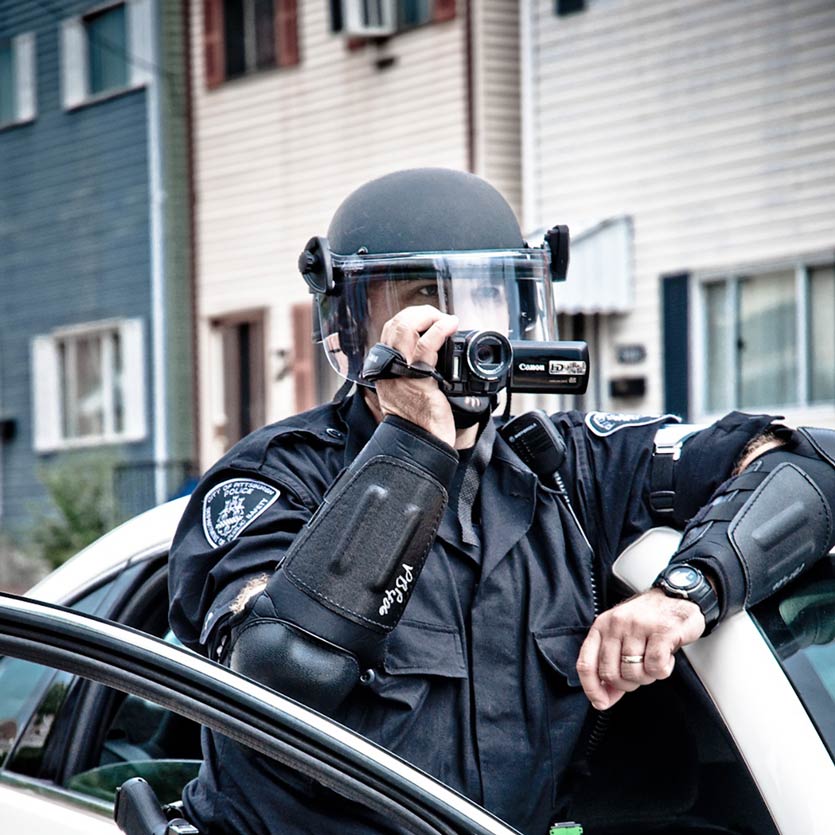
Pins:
x,y
689,583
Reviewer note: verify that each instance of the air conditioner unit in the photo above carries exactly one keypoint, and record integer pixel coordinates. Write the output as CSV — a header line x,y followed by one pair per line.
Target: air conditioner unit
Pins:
x,y
369,18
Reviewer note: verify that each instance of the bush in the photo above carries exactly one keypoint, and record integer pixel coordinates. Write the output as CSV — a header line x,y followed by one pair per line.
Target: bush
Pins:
x,y
81,491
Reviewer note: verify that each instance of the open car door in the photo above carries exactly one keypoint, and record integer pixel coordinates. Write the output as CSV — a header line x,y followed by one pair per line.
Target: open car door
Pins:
x,y
203,691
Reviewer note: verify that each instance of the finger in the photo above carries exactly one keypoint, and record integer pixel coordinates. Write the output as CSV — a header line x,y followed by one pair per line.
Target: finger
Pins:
x,y
610,667
632,661
403,330
431,340
658,658
587,666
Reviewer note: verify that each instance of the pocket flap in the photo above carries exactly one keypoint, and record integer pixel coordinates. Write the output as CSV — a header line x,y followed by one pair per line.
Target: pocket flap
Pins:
x,y
560,648
415,647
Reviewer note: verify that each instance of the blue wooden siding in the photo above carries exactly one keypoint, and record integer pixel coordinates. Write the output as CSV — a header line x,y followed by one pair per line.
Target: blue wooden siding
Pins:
x,y
74,237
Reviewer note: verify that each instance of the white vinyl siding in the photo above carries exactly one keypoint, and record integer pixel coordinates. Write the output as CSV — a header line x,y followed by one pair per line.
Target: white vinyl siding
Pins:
x,y
88,385
496,79
709,122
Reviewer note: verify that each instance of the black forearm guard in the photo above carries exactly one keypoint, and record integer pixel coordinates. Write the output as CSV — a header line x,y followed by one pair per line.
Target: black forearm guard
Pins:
x,y
343,585
766,525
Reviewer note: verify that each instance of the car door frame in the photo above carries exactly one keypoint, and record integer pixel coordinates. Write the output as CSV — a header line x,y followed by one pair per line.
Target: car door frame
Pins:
x,y
214,696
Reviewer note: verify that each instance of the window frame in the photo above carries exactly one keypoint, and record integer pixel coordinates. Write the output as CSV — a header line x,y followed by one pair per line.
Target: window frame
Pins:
x,y
75,45
285,33
802,267
48,386
23,52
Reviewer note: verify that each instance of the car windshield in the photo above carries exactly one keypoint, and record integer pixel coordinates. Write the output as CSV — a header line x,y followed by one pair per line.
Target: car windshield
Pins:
x,y
799,624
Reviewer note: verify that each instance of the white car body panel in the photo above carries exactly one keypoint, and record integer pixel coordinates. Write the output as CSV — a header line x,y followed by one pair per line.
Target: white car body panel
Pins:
x,y
789,763
32,813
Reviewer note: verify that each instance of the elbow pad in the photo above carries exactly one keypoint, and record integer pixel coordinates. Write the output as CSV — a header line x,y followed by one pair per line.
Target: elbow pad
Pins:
x,y
344,583
764,526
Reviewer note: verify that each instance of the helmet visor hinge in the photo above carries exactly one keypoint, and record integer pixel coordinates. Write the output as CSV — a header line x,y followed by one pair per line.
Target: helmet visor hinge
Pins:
x,y
557,241
316,267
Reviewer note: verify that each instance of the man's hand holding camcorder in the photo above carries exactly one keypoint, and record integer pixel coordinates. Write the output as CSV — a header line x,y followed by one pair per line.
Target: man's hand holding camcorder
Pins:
x,y
418,333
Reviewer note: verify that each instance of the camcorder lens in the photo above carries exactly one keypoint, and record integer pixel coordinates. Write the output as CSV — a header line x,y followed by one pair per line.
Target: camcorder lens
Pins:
x,y
489,355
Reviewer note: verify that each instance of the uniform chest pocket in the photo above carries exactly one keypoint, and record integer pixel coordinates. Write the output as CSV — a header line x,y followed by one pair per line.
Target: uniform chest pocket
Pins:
x,y
419,655
566,704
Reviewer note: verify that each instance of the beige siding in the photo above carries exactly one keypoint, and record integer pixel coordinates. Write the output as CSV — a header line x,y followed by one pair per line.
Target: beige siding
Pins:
x,y
709,121
496,82
277,151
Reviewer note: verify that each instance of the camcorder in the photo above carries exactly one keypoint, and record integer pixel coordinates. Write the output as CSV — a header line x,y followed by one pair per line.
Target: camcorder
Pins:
x,y
480,362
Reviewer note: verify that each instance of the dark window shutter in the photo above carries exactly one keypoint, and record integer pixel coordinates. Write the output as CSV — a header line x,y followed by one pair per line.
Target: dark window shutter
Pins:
x,y
443,10
336,15
675,344
287,32
213,47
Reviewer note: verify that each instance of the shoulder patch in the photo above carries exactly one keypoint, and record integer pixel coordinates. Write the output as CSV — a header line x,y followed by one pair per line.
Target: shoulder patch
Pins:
x,y
232,505
607,423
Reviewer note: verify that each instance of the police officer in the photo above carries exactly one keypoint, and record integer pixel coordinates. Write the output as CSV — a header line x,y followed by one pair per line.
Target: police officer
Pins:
x,y
390,559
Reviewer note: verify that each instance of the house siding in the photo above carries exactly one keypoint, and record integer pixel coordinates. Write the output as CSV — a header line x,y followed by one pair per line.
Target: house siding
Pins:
x,y
709,122
75,248
497,93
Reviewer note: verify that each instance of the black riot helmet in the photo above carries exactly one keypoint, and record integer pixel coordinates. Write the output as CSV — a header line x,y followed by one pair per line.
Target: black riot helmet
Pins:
x,y
428,236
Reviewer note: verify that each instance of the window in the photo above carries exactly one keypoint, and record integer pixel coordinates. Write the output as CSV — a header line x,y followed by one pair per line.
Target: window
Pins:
x,y
238,348
379,18
17,79
768,339
106,51
567,7
107,60
89,385
246,36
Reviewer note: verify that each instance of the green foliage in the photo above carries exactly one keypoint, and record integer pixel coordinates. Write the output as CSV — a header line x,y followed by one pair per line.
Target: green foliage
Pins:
x,y
81,490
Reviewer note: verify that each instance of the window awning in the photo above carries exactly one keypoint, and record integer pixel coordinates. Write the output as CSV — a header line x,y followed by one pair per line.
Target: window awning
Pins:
x,y
601,270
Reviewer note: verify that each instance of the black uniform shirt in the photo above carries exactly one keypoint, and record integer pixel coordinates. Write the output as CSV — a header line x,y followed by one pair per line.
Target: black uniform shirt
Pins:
x,y
478,685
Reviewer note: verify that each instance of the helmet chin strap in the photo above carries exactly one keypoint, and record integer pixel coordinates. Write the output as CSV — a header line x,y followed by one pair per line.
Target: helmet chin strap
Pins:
x,y
470,410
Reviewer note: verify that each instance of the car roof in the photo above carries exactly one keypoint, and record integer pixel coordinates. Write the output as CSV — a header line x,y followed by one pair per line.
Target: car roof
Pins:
x,y
142,537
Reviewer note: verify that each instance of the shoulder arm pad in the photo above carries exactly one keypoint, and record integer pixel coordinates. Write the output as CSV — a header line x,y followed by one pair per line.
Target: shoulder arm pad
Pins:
x,y
767,524
690,462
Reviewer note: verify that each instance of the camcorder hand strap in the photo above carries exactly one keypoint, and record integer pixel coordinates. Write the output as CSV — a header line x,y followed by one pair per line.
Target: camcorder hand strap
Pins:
x,y
386,363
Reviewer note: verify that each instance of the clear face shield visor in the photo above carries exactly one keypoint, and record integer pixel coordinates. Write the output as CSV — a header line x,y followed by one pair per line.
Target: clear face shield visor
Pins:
x,y
509,291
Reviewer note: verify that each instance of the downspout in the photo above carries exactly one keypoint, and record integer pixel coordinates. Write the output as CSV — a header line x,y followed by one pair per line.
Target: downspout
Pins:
x,y
192,237
527,110
157,218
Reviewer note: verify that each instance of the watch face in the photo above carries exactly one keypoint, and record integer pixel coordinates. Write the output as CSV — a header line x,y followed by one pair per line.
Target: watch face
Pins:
x,y
683,577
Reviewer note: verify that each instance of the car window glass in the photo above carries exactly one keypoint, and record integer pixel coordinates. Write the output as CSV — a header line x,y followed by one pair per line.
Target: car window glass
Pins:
x,y
19,682
144,740
23,685
799,624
